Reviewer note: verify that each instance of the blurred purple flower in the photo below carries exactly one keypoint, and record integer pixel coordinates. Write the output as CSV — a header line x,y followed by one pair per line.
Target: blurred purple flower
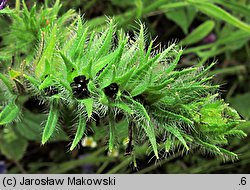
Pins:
x,y
209,38
86,168
2,167
3,4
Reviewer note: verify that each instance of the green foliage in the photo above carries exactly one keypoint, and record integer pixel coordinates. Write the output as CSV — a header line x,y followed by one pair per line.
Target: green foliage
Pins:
x,y
184,108
11,145
184,13
51,122
218,13
199,33
79,134
94,78
9,113
29,27
241,103
182,16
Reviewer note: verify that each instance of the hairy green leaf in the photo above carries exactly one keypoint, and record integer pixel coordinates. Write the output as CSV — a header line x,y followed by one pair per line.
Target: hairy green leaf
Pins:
x,y
7,82
88,105
122,106
48,53
176,132
168,144
50,123
9,113
150,131
80,132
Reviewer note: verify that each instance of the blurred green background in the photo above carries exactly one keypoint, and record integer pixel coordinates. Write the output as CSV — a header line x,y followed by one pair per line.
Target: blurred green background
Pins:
x,y
214,30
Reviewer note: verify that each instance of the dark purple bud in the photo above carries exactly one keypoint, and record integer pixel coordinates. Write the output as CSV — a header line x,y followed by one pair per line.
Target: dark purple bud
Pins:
x,y
2,167
79,87
3,4
209,39
80,79
111,90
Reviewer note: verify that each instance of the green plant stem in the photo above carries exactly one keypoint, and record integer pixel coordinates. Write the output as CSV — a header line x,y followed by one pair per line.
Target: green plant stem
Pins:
x,y
230,70
20,167
123,164
17,5
102,168
94,158
154,166
169,6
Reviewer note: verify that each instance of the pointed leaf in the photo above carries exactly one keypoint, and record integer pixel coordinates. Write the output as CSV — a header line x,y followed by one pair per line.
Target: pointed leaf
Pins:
x,y
172,66
111,137
140,108
105,47
140,73
199,33
168,114
51,123
182,16
88,105
122,106
78,50
149,129
108,74
79,134
7,82
139,89
71,67
217,12
168,144
47,54
32,80
122,80
46,83
174,131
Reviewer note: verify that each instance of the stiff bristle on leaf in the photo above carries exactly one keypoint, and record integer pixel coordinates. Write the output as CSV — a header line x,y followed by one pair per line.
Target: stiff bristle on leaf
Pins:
x,y
102,81
79,133
50,123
